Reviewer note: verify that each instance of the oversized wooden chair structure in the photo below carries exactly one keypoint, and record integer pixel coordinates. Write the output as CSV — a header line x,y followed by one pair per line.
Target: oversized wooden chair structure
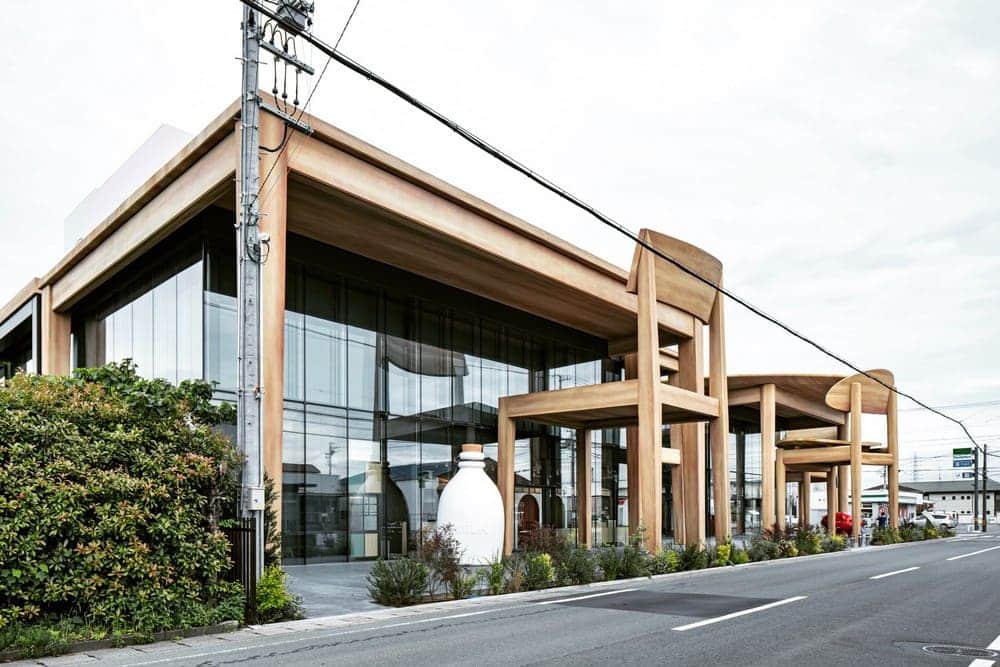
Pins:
x,y
645,402
856,395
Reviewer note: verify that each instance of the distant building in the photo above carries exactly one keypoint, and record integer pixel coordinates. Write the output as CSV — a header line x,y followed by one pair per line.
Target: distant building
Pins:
x,y
955,496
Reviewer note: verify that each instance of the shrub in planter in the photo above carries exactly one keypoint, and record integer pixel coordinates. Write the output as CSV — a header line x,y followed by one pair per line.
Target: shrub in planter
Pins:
x,y
664,562
885,535
808,541
910,533
576,567
462,586
546,540
274,601
111,492
693,557
787,549
740,556
611,563
494,575
763,549
635,558
833,543
930,532
397,582
441,552
538,571
515,566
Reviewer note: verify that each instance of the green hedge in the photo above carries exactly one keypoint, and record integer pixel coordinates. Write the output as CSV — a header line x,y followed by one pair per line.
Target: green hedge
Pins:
x,y
111,487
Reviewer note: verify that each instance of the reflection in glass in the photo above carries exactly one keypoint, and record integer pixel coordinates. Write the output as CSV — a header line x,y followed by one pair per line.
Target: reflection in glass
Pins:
x,y
189,324
325,484
165,330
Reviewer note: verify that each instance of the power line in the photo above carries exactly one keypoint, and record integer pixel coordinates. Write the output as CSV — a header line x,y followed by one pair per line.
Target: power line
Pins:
x,y
958,405
579,203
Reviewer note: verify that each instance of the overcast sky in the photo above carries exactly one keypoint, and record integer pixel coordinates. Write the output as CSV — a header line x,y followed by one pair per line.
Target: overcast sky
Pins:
x,y
842,161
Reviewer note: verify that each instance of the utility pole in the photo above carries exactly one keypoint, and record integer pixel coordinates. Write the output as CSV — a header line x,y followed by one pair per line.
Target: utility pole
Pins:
x,y
975,488
251,244
986,482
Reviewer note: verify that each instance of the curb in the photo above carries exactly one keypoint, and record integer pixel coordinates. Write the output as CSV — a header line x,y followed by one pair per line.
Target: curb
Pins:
x,y
85,645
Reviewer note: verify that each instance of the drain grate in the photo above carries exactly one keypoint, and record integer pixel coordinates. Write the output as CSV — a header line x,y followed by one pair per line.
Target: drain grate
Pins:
x,y
961,651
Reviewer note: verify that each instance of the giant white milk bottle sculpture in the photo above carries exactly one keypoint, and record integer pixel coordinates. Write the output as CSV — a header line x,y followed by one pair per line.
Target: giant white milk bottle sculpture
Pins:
x,y
471,503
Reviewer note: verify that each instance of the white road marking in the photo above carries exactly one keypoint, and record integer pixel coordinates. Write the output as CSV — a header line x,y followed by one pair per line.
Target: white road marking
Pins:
x,y
587,597
752,610
889,574
981,551
979,662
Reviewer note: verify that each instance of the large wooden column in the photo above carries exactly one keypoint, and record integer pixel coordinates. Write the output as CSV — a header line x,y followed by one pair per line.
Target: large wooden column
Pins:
x,y
648,481
274,222
856,461
805,498
831,500
718,387
779,489
55,347
632,449
677,479
691,376
892,442
844,471
767,456
505,473
583,488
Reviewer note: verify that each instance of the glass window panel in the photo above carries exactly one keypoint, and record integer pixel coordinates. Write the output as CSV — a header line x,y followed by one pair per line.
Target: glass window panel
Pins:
x,y
402,359
362,316
221,346
142,334
325,345
165,330
438,365
493,355
105,331
123,333
436,467
519,364
364,468
467,385
325,470
293,485
402,494
189,324
295,363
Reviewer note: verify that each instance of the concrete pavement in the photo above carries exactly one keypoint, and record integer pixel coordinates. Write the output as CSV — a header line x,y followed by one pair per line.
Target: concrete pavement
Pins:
x,y
900,605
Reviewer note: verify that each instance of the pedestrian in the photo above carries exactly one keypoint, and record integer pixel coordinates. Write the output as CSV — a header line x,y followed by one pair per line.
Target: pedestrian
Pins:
x,y
883,520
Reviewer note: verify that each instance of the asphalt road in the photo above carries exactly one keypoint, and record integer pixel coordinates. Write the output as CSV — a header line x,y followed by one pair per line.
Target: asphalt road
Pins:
x,y
873,606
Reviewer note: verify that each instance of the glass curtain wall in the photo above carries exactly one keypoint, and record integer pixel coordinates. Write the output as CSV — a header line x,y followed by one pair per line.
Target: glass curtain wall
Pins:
x,y
386,375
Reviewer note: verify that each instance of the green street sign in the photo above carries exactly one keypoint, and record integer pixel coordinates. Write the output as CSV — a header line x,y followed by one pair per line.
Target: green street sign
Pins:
x,y
961,451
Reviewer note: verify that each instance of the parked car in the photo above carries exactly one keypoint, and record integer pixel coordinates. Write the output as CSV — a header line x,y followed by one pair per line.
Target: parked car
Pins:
x,y
935,518
844,522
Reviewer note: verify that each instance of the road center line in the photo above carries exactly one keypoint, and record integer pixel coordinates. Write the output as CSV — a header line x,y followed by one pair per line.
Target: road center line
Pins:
x,y
587,597
981,551
752,610
889,574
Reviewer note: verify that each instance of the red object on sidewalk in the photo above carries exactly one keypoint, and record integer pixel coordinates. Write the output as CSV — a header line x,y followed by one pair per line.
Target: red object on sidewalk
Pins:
x,y
844,522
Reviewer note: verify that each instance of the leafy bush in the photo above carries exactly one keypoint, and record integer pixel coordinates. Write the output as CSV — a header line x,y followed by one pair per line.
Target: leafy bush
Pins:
x,y
885,535
635,558
693,557
787,549
833,543
494,575
515,565
611,562
740,556
462,586
576,567
397,582
546,540
930,532
441,552
538,571
274,601
763,549
664,562
721,555
111,491
910,533
808,541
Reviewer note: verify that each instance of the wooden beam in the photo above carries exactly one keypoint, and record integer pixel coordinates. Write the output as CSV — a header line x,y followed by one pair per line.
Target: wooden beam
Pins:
x,y
583,488
677,480
843,471
691,377
692,404
818,455
856,461
55,337
766,395
718,389
877,459
632,462
805,500
744,396
831,501
587,397
810,408
649,480
505,472
779,489
670,456
892,440
274,222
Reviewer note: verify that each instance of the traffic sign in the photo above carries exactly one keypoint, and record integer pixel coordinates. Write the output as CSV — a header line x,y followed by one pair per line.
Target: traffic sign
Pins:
x,y
960,463
968,475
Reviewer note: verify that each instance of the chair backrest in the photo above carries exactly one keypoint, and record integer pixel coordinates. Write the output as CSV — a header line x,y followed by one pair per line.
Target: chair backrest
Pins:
x,y
874,396
673,285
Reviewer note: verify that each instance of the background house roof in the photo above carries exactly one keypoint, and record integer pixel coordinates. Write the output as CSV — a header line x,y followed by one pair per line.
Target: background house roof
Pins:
x,y
947,486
